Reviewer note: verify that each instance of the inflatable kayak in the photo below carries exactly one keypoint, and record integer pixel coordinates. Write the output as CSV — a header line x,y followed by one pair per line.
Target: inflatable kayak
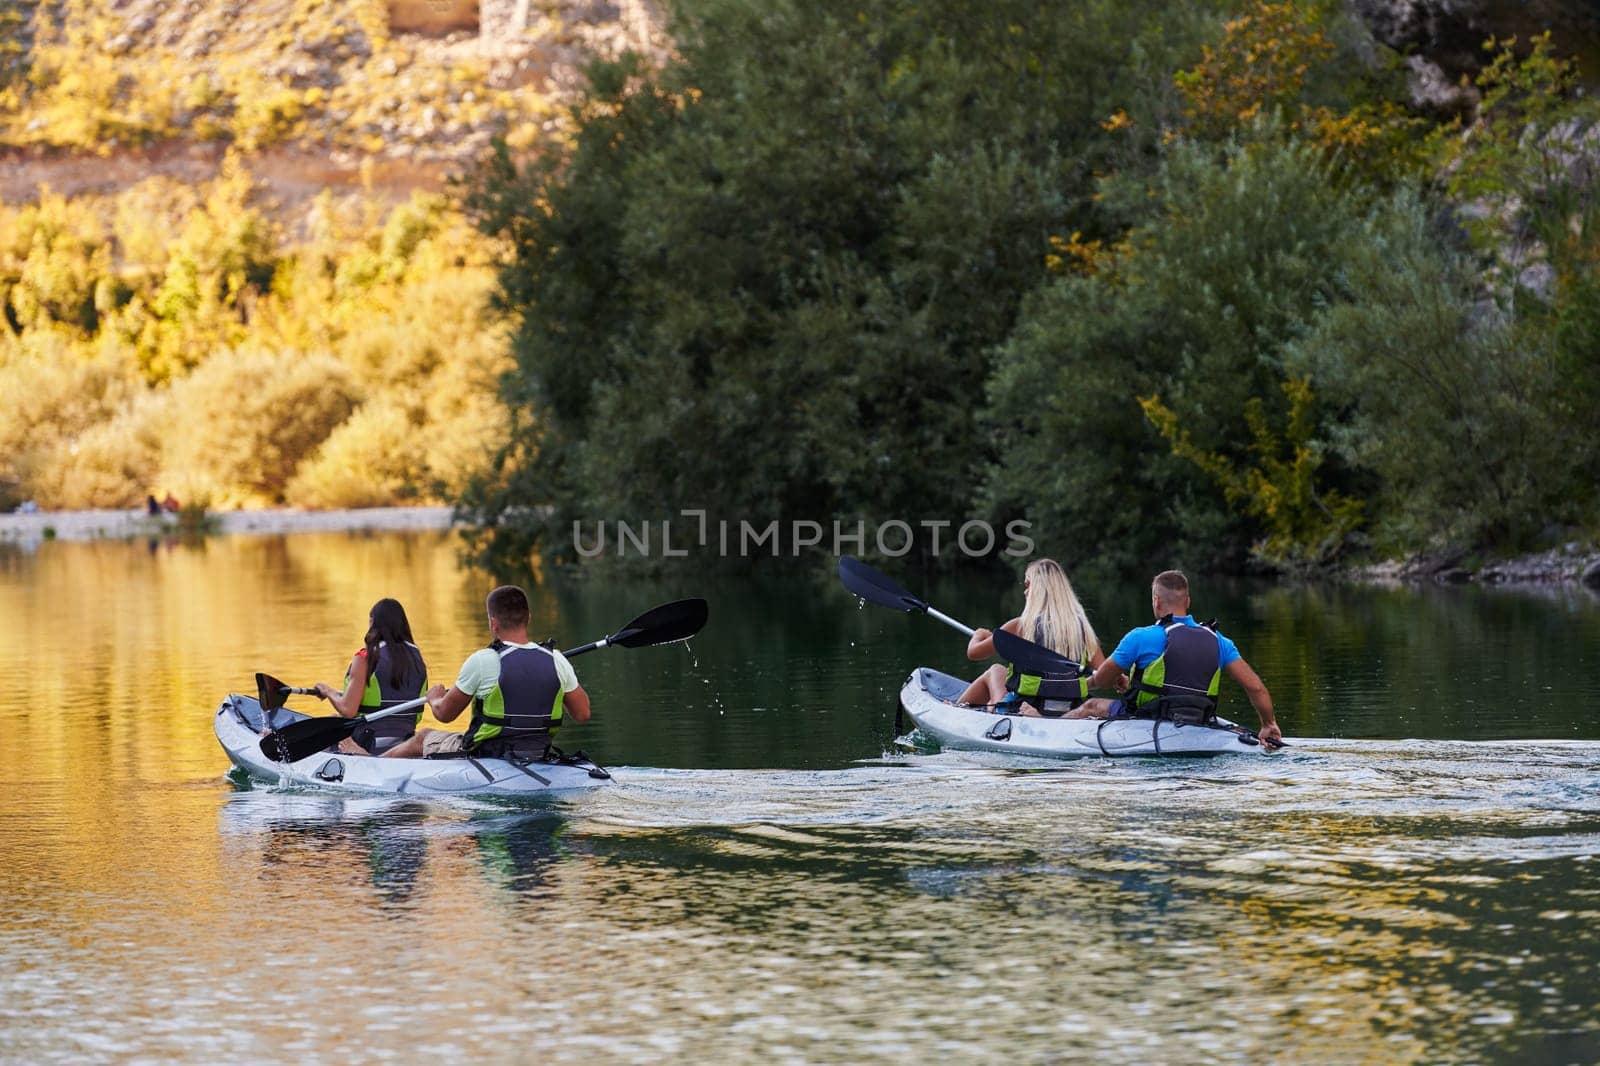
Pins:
x,y
239,721
929,698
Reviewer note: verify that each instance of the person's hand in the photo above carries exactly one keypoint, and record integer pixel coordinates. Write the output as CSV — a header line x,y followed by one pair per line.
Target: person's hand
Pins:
x,y
324,690
436,693
1271,735
1122,682
983,634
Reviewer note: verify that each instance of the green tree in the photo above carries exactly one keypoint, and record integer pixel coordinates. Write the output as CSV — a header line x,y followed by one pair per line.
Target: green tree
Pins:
x,y
1197,306
768,279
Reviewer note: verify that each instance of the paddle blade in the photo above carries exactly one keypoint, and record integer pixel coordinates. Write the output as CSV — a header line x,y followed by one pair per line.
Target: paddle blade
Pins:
x,y
1033,658
299,739
867,583
678,620
271,692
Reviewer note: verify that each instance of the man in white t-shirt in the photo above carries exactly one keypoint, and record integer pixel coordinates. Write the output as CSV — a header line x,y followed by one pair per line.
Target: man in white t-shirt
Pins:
x,y
520,693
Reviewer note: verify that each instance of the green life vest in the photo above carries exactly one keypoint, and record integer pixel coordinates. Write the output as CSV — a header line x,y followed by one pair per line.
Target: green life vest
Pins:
x,y
521,714
1070,687
382,691
1183,682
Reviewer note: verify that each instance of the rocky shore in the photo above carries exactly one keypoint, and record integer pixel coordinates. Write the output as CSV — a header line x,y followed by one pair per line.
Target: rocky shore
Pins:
x,y
30,529
1573,563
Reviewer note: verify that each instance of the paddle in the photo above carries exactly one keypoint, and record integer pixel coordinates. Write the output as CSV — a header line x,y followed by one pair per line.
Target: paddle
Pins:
x,y
666,624
869,584
1033,658
307,737
270,692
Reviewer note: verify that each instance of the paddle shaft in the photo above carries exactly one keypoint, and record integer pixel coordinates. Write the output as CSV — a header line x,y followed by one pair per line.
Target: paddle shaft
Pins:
x,y
965,630
409,705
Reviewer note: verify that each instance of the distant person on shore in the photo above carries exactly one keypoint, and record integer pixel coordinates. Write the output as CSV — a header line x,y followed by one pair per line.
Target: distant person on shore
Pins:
x,y
170,504
386,671
1176,666
1052,617
520,693
152,507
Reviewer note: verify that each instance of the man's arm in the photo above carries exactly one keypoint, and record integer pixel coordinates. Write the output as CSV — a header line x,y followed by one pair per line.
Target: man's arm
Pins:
x,y
575,705
447,706
1260,698
1108,675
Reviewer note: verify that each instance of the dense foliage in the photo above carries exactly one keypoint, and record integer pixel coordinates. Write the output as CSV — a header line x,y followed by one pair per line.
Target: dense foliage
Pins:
x,y
1191,287
173,339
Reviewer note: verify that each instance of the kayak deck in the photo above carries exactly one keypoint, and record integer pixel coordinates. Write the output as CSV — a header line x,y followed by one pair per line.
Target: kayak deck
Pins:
x,y
240,719
929,698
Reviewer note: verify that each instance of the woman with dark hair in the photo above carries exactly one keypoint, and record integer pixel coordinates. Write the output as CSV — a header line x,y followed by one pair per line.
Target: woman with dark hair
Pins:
x,y
386,671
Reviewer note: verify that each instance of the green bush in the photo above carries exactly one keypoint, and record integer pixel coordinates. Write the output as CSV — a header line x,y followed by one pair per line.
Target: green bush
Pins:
x,y
1461,415
1196,308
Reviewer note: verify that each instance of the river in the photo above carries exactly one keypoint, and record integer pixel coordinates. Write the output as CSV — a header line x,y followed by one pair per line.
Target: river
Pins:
x,y
771,878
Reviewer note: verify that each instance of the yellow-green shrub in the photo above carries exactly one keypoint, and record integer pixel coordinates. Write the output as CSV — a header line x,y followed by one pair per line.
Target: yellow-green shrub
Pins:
x,y
49,395
241,423
114,464
374,458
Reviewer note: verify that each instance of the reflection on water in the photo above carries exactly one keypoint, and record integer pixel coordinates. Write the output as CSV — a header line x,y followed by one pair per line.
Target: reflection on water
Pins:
x,y
762,882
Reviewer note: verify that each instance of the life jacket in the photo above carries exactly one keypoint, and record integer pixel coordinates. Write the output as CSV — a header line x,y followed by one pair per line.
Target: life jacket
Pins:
x,y
378,737
521,714
1183,681
1065,690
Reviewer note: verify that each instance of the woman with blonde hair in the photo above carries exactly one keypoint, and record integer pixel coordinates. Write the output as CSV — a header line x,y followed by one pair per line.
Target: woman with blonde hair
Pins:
x,y
1051,616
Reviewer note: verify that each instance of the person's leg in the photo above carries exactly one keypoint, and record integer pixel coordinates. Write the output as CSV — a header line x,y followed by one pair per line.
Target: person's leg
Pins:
x,y
1099,707
988,689
411,747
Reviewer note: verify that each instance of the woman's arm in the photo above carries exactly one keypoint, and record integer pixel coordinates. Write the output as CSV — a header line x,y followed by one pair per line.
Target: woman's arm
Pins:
x,y
981,645
348,702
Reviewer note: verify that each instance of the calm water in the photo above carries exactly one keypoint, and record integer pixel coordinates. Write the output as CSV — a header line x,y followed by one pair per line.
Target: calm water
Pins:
x,y
770,878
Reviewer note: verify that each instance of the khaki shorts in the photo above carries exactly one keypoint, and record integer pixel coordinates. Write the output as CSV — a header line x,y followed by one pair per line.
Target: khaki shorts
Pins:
x,y
438,742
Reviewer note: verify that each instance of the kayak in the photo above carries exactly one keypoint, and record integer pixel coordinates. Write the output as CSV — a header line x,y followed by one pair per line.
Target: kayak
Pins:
x,y
239,721
929,698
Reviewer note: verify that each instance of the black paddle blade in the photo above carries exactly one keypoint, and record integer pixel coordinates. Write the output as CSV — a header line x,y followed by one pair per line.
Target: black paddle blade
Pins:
x,y
270,692
862,580
299,739
678,620
1033,658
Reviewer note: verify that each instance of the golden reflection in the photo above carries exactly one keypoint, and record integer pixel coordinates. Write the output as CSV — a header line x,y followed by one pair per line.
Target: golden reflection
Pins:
x,y
127,649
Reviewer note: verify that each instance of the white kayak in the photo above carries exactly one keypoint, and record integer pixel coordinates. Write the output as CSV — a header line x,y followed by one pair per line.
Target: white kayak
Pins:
x,y
239,722
929,698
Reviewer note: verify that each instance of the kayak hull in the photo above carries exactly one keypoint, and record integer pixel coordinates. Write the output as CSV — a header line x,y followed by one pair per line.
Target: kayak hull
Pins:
x,y
929,699
239,720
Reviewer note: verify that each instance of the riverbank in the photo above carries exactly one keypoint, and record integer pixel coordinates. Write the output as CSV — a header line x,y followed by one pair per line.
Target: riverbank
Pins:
x,y
30,529
1573,563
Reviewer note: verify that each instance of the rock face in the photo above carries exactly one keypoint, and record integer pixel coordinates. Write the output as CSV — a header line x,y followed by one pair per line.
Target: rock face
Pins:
x,y
433,17
1443,39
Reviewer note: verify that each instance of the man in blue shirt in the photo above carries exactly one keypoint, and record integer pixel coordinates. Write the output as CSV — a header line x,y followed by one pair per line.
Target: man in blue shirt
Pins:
x,y
1142,647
